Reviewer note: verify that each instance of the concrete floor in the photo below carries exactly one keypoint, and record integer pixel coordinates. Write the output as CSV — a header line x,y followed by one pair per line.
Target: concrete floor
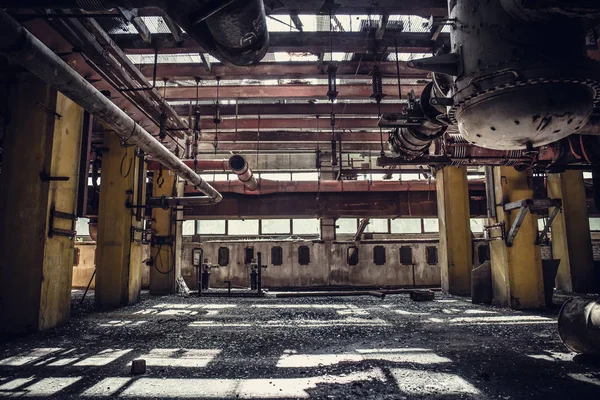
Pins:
x,y
322,348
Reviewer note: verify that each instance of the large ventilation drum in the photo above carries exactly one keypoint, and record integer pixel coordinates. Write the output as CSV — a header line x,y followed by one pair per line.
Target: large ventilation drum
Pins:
x,y
519,83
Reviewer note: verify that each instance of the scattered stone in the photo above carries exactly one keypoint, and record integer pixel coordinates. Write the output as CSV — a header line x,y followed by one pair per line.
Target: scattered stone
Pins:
x,y
138,366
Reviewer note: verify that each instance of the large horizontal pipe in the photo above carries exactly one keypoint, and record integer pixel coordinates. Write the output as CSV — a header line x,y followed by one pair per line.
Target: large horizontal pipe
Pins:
x,y
579,325
236,164
24,49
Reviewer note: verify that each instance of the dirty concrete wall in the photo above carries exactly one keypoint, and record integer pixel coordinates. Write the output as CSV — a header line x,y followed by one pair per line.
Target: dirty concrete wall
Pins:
x,y
328,264
87,263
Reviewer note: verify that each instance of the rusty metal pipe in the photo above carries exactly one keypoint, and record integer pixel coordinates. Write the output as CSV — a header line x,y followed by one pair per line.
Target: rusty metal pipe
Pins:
x,y
579,325
24,49
240,167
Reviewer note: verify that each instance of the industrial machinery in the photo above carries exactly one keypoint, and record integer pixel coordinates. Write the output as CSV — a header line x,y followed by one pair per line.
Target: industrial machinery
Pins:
x,y
516,77
204,283
256,268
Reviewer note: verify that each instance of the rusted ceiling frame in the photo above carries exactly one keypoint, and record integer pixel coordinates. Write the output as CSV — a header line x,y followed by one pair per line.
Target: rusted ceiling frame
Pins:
x,y
293,42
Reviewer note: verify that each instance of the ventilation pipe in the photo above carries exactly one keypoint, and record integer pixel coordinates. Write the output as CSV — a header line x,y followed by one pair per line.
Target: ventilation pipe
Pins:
x,y
236,164
235,32
24,49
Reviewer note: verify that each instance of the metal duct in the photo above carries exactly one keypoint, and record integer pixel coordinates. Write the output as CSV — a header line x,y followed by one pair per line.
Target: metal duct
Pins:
x,y
23,48
239,166
235,32
421,128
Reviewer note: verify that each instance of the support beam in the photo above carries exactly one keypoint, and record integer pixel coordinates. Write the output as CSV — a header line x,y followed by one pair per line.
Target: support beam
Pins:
x,y
42,143
280,70
309,92
118,262
162,252
517,279
571,239
296,42
456,248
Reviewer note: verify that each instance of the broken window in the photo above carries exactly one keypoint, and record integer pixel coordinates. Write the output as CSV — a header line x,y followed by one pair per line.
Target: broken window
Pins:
x,y
276,255
379,255
352,255
431,255
406,257
223,256
303,255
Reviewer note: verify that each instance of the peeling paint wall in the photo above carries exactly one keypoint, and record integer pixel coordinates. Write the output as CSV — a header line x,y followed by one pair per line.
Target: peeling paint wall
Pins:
x,y
328,264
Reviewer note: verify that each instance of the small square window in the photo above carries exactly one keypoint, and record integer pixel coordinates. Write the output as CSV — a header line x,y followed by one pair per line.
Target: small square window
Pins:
x,y
276,255
406,257
352,256
431,255
303,255
223,256
379,255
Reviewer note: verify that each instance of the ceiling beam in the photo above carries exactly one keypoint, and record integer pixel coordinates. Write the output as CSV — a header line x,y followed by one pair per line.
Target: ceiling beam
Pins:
x,y
424,8
299,42
301,137
281,70
283,91
283,146
321,109
289,123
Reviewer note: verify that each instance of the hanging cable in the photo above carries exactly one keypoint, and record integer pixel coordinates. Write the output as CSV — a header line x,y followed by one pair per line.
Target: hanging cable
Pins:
x,y
332,92
197,125
160,180
217,119
377,87
258,140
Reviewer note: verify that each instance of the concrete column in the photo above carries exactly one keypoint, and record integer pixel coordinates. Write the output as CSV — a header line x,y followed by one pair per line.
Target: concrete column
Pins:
x,y
43,138
327,230
571,238
517,279
117,280
456,247
162,272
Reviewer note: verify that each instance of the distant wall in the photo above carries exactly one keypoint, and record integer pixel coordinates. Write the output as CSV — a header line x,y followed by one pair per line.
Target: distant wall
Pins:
x,y
83,271
328,264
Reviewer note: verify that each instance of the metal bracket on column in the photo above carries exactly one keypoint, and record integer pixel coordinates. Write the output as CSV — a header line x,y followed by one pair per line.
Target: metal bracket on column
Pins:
x,y
533,205
45,177
52,231
50,111
144,232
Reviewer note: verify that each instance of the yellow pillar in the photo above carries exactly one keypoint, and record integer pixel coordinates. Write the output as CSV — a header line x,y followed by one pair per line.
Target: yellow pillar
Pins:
x,y
118,259
517,279
571,238
162,272
42,139
456,250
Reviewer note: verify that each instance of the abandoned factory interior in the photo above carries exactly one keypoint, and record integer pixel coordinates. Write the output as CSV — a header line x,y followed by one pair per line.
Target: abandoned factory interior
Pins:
x,y
300,199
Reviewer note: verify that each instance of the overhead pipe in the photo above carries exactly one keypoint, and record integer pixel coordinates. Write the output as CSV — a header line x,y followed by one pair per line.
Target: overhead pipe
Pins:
x,y
239,166
236,164
234,32
24,49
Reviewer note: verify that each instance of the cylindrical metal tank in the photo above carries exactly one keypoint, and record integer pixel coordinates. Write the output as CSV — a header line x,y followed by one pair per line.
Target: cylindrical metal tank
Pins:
x,y
519,83
579,325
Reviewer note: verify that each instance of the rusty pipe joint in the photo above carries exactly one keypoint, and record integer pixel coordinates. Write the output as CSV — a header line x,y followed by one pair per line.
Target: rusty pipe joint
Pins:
x,y
240,167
